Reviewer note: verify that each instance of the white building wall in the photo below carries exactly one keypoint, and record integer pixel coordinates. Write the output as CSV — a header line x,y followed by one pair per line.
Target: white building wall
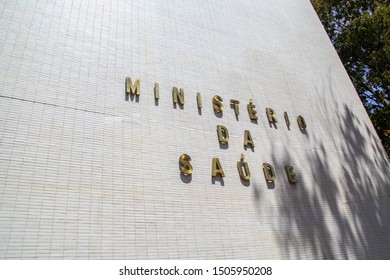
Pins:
x,y
85,174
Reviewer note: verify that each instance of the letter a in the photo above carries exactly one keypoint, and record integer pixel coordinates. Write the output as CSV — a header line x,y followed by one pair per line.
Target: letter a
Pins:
x,y
217,168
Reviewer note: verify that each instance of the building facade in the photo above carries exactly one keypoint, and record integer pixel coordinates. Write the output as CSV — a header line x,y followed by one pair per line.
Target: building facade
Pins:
x,y
95,166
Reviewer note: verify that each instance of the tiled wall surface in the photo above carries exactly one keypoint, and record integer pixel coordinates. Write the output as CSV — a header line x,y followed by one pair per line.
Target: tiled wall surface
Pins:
x,y
85,174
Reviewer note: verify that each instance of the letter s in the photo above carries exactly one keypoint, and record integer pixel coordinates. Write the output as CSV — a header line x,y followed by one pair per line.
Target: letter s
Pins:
x,y
185,165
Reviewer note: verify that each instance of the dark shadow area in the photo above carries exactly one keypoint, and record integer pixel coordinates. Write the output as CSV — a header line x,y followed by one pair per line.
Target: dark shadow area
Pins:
x,y
185,178
270,185
256,194
273,124
156,102
132,97
293,186
223,146
340,207
218,114
232,107
174,105
254,121
244,182
249,148
303,131
219,179
199,111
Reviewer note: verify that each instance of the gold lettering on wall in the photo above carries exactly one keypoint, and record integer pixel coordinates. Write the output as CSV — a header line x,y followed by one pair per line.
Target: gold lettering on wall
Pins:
x,y
269,172
217,168
185,165
301,122
271,115
248,139
156,91
217,103
132,88
178,96
223,134
243,169
251,110
235,104
286,118
199,99
291,174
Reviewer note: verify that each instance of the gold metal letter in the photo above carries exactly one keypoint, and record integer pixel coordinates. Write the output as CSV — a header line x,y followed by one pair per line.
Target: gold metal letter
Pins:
x,y
185,165
248,139
217,103
199,100
235,104
291,174
271,115
286,119
132,88
178,96
223,134
301,122
269,172
156,91
251,110
244,174
217,168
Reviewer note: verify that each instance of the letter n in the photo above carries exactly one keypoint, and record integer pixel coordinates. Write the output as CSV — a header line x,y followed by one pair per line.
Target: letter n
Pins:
x,y
178,96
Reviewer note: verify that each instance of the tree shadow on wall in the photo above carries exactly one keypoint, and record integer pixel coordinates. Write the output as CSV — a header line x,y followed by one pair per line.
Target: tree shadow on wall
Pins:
x,y
344,214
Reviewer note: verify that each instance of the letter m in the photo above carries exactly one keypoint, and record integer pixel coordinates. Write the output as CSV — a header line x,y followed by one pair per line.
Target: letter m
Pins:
x,y
132,88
